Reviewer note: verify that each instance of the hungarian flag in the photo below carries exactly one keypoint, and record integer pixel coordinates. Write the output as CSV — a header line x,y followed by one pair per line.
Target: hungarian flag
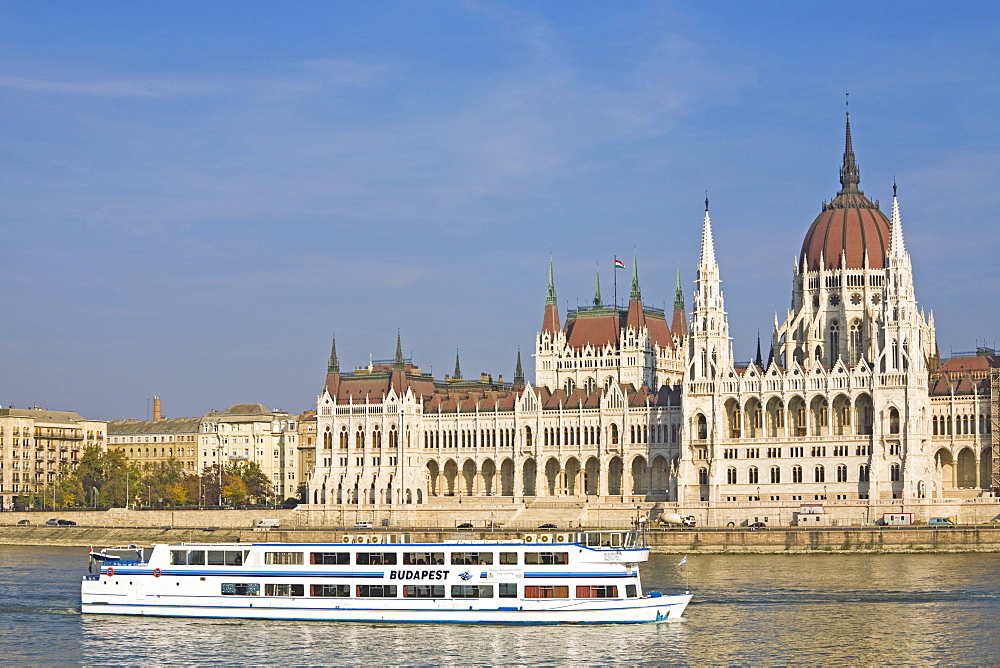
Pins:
x,y
619,264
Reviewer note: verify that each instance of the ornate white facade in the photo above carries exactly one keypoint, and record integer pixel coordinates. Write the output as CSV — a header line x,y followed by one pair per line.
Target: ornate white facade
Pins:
x,y
627,407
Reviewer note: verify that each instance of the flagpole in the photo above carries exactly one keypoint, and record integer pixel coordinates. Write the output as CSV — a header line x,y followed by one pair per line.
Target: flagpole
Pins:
x,y
615,270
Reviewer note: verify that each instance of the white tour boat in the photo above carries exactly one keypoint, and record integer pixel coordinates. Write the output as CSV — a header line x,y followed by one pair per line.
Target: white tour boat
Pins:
x,y
583,577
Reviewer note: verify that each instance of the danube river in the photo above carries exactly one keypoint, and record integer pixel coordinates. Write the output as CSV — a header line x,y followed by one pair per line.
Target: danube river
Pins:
x,y
761,609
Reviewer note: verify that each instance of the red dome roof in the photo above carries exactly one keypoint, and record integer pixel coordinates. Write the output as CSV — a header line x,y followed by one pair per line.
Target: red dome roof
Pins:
x,y
851,225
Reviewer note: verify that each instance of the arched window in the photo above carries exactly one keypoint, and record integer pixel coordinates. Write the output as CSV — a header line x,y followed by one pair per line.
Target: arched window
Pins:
x,y
842,473
834,342
856,350
796,474
893,421
775,474
819,474
614,434
894,472
702,476
752,475
731,476
863,473
701,426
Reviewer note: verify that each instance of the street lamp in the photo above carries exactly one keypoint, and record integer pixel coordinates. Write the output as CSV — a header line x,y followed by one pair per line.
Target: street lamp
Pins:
x,y
824,492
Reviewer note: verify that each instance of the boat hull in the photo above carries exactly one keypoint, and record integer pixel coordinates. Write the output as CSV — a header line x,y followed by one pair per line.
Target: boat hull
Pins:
x,y
626,611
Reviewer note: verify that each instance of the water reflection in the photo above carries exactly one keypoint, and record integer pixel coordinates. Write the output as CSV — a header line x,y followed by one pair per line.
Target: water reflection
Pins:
x,y
747,610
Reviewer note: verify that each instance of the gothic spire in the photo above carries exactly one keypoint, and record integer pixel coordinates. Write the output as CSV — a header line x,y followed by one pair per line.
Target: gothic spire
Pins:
x,y
679,292
896,246
636,293
550,294
707,245
550,320
458,369
598,302
759,361
850,176
397,362
334,365
518,371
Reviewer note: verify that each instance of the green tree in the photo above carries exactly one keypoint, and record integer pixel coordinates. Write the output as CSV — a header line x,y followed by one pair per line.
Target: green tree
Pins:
x,y
257,488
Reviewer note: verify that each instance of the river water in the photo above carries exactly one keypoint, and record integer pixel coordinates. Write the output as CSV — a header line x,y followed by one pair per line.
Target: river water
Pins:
x,y
760,609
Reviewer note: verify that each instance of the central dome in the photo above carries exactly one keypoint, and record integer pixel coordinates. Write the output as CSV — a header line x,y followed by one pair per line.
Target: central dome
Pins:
x,y
849,228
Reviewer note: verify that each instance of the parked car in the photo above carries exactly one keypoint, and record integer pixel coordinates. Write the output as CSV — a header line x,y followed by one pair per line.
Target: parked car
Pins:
x,y
465,525
24,522
942,521
756,526
53,522
66,523
547,526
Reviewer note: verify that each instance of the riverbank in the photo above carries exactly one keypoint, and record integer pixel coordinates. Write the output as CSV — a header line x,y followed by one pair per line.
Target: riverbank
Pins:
x,y
854,540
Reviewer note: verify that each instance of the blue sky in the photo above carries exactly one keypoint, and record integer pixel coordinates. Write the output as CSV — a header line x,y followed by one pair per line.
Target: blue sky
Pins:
x,y
196,196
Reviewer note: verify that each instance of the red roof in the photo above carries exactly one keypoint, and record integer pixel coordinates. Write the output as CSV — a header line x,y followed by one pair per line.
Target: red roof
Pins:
x,y
851,224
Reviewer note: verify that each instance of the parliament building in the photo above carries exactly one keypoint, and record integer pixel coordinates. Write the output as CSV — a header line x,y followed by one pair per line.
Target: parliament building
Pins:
x,y
851,401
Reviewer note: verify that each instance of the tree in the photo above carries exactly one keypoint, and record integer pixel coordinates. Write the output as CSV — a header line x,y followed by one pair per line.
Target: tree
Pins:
x,y
256,487
234,489
176,493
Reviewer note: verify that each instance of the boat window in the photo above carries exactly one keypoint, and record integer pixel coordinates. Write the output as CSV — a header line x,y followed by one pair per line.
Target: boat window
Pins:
x,y
546,558
377,591
240,589
507,589
423,558
423,591
284,558
471,558
284,590
472,591
187,557
630,591
340,591
376,558
508,558
546,591
330,558
225,557
598,591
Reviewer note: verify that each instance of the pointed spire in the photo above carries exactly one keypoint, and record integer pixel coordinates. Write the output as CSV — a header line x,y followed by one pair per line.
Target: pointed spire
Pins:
x,y
598,302
550,294
679,291
707,245
896,246
636,293
518,371
550,319
458,368
759,360
397,362
850,176
334,365
678,327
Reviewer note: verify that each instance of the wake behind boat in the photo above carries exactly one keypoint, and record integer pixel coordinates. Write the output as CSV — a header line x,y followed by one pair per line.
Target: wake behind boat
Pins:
x,y
585,577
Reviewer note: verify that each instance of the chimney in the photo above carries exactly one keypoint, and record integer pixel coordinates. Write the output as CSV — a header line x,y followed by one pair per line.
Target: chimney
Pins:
x,y
156,409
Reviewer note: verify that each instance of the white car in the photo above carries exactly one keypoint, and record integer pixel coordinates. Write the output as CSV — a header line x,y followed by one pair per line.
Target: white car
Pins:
x,y
363,524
